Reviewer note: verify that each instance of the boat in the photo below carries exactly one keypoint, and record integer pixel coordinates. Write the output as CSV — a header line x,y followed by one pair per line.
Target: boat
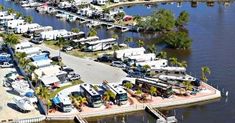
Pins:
x,y
24,104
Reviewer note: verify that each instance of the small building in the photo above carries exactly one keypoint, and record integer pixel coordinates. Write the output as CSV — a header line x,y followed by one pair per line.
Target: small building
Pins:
x,y
49,80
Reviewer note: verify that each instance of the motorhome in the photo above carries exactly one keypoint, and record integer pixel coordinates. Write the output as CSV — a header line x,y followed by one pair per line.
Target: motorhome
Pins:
x,y
92,96
53,35
158,63
176,74
164,89
63,102
103,44
24,28
14,23
120,94
140,58
3,13
82,41
31,51
122,54
40,29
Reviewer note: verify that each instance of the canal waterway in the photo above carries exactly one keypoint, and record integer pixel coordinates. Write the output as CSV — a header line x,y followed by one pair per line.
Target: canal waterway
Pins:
x,y
212,31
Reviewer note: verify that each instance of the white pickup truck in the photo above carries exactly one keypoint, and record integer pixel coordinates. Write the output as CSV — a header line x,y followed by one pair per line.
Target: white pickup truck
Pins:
x,y
6,65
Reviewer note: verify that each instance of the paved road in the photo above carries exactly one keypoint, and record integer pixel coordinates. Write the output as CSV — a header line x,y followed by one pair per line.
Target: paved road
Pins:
x,y
90,71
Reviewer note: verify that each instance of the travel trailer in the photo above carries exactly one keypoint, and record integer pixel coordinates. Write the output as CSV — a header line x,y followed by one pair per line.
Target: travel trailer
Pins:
x,y
82,41
92,96
55,34
158,63
122,54
22,46
12,24
24,28
103,44
140,58
6,18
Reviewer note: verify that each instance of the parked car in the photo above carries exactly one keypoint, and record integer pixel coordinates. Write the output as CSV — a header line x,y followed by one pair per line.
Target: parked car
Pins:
x,y
36,40
67,48
105,58
68,70
56,58
135,74
119,64
6,65
73,76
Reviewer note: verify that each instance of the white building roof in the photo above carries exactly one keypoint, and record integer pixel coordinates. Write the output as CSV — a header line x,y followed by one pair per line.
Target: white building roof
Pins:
x,y
47,80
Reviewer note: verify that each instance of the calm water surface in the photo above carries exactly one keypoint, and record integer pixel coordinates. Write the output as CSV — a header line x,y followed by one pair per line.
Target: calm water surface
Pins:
x,y
212,31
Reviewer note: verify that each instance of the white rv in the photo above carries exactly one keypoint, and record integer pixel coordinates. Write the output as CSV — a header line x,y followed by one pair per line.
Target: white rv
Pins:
x,y
142,57
26,27
14,23
6,18
122,54
52,35
88,39
40,29
22,46
156,64
100,44
3,13
64,5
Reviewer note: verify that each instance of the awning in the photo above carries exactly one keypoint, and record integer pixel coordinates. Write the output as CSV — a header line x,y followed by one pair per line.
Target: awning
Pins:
x,y
56,100
47,80
29,94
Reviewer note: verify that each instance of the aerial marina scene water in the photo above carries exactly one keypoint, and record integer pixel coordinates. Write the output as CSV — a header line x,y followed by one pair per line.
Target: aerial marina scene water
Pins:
x,y
116,61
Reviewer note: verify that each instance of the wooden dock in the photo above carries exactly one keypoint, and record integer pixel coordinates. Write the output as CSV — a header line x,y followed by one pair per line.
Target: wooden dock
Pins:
x,y
79,119
161,118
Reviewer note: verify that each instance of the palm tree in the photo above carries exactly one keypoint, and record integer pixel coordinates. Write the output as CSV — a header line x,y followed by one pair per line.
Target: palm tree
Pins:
x,y
82,100
174,61
75,30
44,93
24,62
11,39
108,95
183,64
28,19
188,85
162,55
60,43
152,91
92,32
115,36
20,55
115,47
18,14
140,43
138,92
128,40
128,85
204,71
10,11
152,49
1,7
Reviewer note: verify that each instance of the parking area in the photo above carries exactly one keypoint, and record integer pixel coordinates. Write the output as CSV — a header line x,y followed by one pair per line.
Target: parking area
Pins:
x,y
8,108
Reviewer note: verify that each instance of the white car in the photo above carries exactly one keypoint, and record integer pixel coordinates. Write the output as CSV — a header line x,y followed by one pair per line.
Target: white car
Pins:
x,y
118,64
6,64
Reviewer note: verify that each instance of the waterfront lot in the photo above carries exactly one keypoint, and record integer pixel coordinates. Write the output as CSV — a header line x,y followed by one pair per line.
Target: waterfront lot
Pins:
x,y
8,109
205,94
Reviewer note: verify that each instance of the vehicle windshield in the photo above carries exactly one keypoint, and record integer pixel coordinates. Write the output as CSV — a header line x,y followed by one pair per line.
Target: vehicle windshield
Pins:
x,y
96,98
122,97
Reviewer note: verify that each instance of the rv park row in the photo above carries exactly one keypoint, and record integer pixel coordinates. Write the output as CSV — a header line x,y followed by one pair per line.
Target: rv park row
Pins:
x,y
65,86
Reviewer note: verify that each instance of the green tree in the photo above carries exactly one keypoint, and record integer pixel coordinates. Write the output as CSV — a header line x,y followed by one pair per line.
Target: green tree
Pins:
x,y
128,85
108,95
178,39
115,47
18,15
138,92
75,30
182,19
152,91
44,94
128,40
10,11
28,19
204,71
82,100
137,18
92,32
1,7
115,36
152,49
23,62
11,39
162,55
183,64
106,10
140,43
174,61
188,85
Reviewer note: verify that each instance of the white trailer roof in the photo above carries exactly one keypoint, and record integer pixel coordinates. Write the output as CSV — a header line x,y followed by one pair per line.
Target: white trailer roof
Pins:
x,y
101,41
47,80
86,39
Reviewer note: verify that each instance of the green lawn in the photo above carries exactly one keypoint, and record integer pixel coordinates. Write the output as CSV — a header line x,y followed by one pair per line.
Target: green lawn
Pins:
x,y
75,82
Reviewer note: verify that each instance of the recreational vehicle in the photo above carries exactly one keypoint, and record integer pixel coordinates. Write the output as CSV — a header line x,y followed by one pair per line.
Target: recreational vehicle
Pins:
x,y
42,63
63,102
22,46
92,96
120,94
38,30
122,54
26,27
53,35
14,23
4,19
163,89
100,44
159,63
